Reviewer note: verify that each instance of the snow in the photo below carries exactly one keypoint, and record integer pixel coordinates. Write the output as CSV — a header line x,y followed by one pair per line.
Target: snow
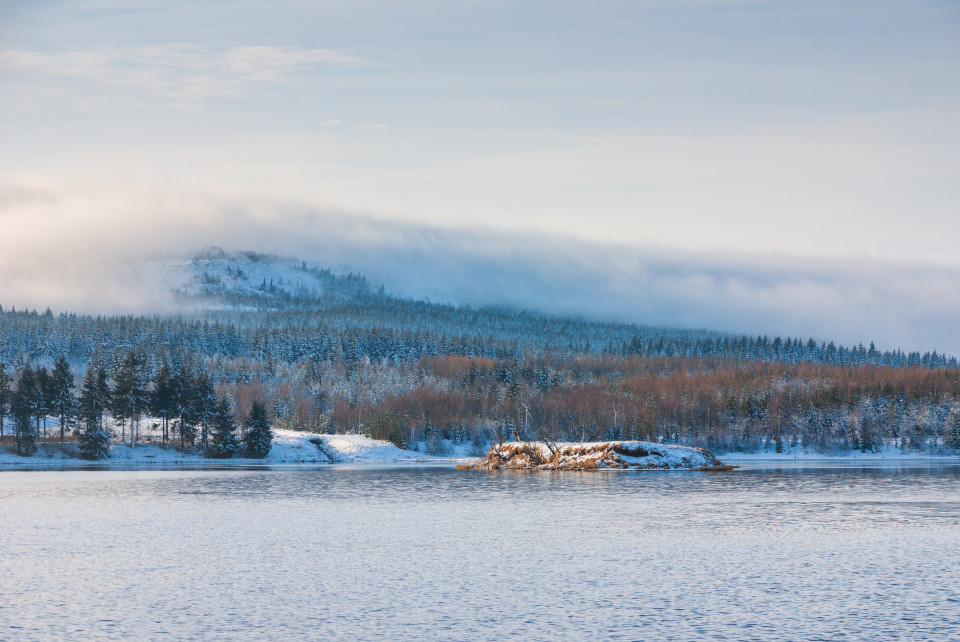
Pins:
x,y
289,447
214,272
887,453
293,447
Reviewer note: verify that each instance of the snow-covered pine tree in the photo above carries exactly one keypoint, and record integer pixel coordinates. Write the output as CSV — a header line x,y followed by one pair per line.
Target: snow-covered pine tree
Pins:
x,y
5,395
23,406
94,441
103,392
25,434
44,392
162,397
185,401
206,404
63,402
119,400
258,437
225,442
130,397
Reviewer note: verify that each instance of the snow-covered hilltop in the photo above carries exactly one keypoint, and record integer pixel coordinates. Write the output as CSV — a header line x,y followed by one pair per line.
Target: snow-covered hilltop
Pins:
x,y
236,278
599,455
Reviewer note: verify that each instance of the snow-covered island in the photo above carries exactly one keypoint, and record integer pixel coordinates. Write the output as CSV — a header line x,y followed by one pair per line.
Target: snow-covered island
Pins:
x,y
616,455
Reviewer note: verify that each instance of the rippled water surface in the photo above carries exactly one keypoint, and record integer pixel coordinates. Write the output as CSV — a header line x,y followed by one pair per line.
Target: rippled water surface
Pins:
x,y
821,552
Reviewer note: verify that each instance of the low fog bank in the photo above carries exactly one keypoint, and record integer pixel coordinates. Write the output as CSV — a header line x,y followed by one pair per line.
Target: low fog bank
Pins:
x,y
96,263
896,305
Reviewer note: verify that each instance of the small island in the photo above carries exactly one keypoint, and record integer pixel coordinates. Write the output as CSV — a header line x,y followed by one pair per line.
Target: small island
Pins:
x,y
611,455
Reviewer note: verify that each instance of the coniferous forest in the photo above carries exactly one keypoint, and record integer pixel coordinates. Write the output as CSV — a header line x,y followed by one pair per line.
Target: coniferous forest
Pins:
x,y
347,357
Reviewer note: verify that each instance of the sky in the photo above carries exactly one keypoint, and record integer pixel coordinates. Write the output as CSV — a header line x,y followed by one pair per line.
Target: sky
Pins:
x,y
764,167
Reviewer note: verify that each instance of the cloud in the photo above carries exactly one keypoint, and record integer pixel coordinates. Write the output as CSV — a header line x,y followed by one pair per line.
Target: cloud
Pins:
x,y
180,72
94,262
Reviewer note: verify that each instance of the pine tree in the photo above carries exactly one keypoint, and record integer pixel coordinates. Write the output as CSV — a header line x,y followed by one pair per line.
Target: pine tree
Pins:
x,y
63,402
206,404
130,397
94,442
225,442
44,392
92,401
23,406
119,400
26,437
5,396
185,402
162,399
258,438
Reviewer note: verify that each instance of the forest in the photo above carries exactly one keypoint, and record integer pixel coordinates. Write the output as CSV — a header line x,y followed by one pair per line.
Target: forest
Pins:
x,y
425,375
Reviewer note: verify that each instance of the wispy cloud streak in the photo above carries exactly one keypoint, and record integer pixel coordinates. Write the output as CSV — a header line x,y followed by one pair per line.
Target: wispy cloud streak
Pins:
x,y
178,71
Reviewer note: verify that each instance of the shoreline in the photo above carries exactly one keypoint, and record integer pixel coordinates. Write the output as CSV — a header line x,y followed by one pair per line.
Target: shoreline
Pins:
x,y
69,465
72,465
293,449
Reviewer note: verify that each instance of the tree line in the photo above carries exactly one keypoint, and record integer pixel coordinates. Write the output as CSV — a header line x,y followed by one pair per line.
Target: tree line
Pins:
x,y
378,328
183,399
722,405
439,402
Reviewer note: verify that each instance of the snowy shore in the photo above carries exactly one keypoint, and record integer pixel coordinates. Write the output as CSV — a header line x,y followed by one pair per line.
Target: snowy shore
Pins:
x,y
289,447
886,453
298,448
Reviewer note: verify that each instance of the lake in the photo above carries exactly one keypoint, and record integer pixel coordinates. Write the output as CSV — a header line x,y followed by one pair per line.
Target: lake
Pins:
x,y
785,551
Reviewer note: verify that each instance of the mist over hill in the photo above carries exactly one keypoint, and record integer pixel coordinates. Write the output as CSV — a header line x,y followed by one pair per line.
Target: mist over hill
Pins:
x,y
108,265
249,289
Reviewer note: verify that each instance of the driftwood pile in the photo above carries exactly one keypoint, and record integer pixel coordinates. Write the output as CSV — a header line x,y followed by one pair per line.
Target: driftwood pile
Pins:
x,y
598,455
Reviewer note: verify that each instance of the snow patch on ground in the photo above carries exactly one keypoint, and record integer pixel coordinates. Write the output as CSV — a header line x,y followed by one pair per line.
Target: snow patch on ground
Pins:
x,y
289,447
800,455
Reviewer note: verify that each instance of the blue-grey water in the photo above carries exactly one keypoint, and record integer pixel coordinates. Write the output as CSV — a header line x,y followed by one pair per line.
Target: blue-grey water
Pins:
x,y
815,552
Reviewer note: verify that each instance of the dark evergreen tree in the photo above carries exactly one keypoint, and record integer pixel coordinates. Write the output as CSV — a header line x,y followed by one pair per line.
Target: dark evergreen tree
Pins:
x,y
118,402
23,406
103,391
258,437
186,404
163,398
92,401
206,404
130,397
225,442
44,402
62,399
94,441
5,396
